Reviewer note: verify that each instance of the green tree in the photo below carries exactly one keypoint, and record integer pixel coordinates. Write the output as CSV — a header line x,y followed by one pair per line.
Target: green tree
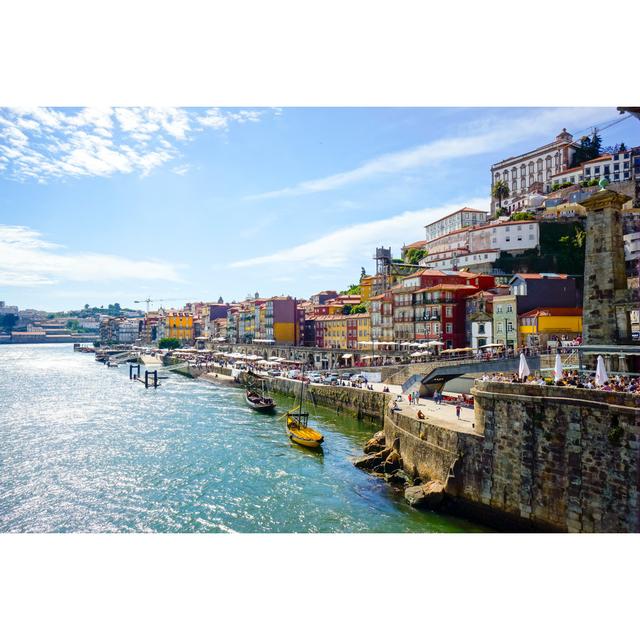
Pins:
x,y
414,255
500,190
596,145
589,149
8,321
353,290
523,215
358,308
169,343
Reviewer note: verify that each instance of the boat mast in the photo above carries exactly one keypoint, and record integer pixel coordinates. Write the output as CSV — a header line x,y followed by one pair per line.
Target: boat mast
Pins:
x,y
301,391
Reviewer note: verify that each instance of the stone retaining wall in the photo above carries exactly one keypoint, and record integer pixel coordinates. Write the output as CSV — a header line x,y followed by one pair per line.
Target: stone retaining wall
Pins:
x,y
358,402
543,458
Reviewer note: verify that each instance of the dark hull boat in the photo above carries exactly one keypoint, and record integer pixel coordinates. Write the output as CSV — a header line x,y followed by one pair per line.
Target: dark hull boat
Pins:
x,y
260,403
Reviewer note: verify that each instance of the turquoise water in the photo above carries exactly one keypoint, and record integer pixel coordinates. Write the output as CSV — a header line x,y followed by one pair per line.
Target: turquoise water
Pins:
x,y
82,448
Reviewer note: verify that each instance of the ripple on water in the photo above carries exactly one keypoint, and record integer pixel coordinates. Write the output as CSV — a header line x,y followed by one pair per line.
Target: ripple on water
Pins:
x,y
82,448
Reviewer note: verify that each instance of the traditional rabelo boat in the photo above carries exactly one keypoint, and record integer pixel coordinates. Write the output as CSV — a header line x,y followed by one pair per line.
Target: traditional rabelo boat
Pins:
x,y
298,429
258,401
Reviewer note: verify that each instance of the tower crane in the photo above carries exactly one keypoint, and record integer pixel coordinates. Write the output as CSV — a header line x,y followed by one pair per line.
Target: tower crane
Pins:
x,y
149,300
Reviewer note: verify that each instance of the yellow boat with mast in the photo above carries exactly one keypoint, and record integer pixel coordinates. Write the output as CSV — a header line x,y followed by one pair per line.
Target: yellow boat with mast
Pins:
x,y
297,425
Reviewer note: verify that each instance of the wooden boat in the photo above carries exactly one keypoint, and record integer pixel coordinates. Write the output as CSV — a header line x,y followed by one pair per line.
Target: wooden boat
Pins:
x,y
298,429
258,402
302,434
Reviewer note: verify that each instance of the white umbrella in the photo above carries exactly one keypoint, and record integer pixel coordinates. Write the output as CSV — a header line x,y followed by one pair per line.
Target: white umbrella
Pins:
x,y
601,372
557,370
523,368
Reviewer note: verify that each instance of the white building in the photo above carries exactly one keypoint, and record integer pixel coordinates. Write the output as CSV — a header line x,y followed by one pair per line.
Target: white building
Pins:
x,y
528,172
481,333
479,247
615,167
481,262
465,217
128,331
506,236
4,309
90,323
632,246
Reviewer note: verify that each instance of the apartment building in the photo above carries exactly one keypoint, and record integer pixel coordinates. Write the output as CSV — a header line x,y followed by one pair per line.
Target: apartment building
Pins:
x,y
465,217
440,313
615,167
529,291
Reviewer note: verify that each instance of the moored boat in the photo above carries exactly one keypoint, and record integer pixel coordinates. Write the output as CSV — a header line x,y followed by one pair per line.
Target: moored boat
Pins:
x,y
259,402
300,433
298,429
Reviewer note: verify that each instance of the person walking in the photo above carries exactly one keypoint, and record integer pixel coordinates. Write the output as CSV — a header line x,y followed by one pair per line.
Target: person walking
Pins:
x,y
458,409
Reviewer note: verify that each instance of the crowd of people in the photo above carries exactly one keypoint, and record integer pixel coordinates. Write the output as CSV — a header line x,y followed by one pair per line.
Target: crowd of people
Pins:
x,y
618,383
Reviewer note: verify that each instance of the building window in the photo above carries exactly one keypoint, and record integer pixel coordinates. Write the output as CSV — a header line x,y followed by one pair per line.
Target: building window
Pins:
x,y
509,308
449,327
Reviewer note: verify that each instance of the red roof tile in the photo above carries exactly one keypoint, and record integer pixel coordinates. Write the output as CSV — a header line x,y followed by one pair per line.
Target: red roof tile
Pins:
x,y
553,311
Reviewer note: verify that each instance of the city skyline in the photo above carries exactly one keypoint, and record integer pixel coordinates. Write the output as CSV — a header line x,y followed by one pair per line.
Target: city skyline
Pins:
x,y
116,205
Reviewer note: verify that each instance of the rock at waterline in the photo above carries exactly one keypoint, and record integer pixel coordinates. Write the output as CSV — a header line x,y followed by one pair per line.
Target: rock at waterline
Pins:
x,y
376,443
427,496
369,461
392,462
399,478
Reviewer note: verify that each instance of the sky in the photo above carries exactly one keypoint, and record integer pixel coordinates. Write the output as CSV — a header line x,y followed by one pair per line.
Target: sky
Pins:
x,y
105,205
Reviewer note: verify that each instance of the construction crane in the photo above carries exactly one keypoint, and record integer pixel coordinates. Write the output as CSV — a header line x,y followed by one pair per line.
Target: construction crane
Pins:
x,y
149,300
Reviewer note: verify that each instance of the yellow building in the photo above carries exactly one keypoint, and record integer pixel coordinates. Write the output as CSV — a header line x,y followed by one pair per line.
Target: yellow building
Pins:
x,y
333,330
343,331
366,288
363,327
539,326
178,324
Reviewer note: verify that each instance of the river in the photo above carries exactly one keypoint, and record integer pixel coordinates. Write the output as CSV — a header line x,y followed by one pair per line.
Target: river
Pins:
x,y
84,449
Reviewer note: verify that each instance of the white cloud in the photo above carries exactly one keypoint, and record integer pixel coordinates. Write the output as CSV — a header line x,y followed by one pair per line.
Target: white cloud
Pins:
x,y
216,118
26,259
42,143
478,138
181,170
336,249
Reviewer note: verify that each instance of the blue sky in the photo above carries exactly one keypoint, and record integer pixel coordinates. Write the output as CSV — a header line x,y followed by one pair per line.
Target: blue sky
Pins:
x,y
114,205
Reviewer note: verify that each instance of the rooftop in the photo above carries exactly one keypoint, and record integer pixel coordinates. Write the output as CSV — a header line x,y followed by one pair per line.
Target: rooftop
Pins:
x,y
541,276
553,311
449,287
463,210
